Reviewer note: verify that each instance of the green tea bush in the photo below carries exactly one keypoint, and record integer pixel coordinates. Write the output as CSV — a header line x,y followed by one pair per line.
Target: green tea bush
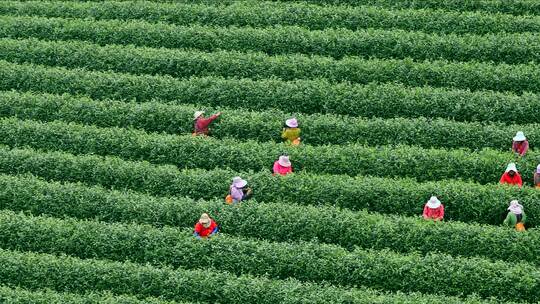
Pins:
x,y
306,96
272,221
258,66
466,202
259,14
264,125
337,43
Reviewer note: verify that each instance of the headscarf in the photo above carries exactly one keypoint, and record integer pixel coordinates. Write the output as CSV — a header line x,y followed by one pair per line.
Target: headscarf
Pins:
x,y
515,207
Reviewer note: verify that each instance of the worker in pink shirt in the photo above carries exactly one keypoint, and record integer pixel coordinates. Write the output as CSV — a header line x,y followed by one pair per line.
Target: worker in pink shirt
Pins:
x,y
202,124
433,210
520,144
282,166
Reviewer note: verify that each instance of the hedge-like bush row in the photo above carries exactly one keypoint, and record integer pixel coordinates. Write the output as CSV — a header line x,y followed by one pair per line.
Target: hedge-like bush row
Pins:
x,y
258,66
337,43
317,129
464,201
257,14
311,262
274,222
186,151
19,295
68,274
516,7
307,96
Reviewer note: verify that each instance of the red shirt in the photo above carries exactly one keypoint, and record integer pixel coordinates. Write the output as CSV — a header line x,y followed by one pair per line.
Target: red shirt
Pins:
x,y
507,179
437,213
520,147
204,232
201,124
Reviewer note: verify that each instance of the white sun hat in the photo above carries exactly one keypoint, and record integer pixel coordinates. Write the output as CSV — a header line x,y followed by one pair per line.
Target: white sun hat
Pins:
x,y
433,203
284,161
197,114
520,136
238,182
511,167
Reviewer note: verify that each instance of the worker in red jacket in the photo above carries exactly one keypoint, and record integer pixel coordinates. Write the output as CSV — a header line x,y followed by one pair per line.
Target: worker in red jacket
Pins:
x,y
511,176
433,209
202,124
520,144
205,227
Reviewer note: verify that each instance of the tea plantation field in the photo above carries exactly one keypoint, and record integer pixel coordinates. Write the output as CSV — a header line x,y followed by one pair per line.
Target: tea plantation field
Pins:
x,y
101,180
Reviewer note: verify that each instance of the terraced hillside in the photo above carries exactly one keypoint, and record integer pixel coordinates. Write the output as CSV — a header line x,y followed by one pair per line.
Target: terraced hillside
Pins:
x,y
101,180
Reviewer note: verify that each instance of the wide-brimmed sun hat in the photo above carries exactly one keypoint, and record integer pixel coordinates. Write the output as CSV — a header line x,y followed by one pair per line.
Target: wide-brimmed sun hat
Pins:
x,y
511,167
291,123
538,169
433,203
197,114
205,219
520,136
238,182
284,161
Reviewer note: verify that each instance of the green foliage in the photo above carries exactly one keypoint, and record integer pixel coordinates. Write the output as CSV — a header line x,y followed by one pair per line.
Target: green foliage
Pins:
x,y
317,129
19,295
310,262
259,66
465,202
31,270
337,43
307,96
515,7
280,222
187,151
259,13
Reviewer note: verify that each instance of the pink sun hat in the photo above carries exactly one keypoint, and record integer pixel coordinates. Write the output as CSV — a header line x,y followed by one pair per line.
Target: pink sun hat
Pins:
x,y
284,161
291,123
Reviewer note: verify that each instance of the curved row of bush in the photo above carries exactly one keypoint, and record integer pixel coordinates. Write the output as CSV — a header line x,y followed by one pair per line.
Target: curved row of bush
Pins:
x,y
337,43
259,66
263,126
19,295
485,166
258,14
516,7
279,222
306,96
68,274
311,262
464,202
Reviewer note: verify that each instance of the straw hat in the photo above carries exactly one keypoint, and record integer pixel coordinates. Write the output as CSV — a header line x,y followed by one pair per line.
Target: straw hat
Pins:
x,y
197,114
291,123
284,161
511,167
519,136
205,220
433,203
238,182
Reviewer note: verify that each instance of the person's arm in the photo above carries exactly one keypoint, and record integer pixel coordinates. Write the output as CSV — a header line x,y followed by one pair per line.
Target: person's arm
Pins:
x,y
214,231
205,122
425,213
275,169
503,179
284,134
508,220
197,235
441,212
514,147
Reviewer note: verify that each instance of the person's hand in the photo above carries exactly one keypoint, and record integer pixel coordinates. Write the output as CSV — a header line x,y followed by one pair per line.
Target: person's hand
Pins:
x,y
218,113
